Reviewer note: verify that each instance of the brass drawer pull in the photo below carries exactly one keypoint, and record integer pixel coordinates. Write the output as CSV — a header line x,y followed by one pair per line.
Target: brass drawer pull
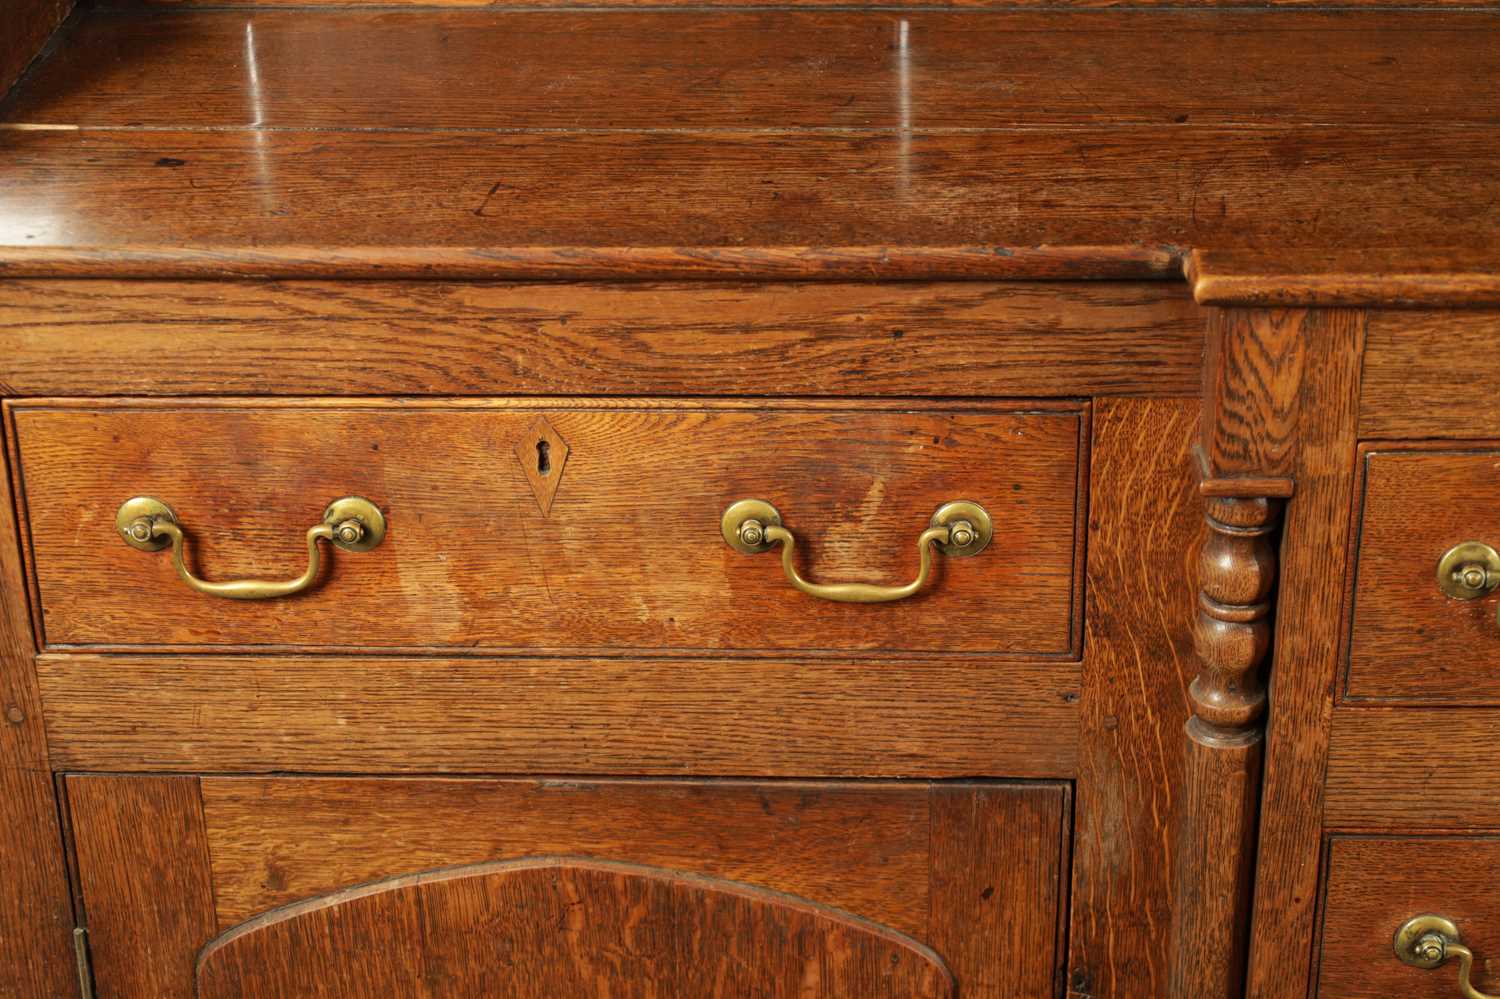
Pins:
x,y
1427,941
1469,571
351,523
959,529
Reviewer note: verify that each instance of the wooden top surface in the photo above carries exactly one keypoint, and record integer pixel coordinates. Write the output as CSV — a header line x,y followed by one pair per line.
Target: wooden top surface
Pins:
x,y
766,143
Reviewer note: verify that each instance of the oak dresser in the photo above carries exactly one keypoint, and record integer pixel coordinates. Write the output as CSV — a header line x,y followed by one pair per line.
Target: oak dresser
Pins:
x,y
749,501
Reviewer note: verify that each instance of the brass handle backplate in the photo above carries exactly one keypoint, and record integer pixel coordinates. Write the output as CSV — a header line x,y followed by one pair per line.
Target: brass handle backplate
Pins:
x,y
351,523
1469,571
958,529
1428,941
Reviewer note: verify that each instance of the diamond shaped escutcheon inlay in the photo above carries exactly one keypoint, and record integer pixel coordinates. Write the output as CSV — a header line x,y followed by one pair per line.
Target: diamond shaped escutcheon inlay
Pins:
x,y
542,453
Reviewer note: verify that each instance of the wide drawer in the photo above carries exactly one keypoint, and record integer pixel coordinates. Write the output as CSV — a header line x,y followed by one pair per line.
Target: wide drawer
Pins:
x,y
1412,641
566,527
733,888
1376,884
572,527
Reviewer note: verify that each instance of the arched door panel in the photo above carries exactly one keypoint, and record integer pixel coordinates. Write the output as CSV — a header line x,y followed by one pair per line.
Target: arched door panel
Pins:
x,y
549,928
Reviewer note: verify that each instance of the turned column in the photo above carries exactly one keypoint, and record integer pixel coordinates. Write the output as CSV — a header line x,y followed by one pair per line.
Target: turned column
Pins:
x,y
1251,406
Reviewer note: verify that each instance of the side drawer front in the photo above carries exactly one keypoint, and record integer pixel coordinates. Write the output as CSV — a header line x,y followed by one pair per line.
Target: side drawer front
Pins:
x,y
569,528
1376,883
1410,641
970,871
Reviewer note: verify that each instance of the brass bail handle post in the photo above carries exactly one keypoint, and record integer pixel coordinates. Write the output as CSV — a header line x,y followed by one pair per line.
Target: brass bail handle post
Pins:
x,y
351,523
958,529
1469,571
1428,941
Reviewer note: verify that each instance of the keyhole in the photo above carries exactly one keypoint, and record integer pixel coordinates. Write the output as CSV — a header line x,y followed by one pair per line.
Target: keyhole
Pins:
x,y
543,457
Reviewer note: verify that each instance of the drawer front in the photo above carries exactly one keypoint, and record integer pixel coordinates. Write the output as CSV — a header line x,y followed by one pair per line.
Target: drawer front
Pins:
x,y
571,528
964,878
1376,884
1410,640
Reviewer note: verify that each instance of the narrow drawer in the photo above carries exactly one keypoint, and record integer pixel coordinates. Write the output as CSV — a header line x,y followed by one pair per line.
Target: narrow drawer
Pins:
x,y
574,527
1411,641
1376,884
654,881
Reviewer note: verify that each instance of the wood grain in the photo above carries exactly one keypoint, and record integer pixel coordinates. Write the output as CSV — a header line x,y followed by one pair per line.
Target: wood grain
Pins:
x,y
1376,884
36,912
1144,518
1100,201
1409,768
962,4
628,559
1253,377
566,927
990,863
1252,380
1215,862
759,69
1419,367
972,869
144,870
860,847
603,717
1409,641
28,25
1314,559
1344,276
438,338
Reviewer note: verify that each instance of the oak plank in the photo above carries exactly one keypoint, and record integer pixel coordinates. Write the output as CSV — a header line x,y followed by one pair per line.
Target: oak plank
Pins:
x,y
1433,769
148,890
28,26
626,69
991,862
957,4
1088,201
439,338
1315,554
36,907
1138,658
859,847
603,717
1419,365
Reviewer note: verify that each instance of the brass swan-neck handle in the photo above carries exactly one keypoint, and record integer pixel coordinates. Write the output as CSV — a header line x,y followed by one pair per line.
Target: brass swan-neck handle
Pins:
x,y
958,529
1428,941
351,523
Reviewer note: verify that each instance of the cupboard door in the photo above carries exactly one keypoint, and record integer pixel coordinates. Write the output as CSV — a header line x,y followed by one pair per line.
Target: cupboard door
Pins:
x,y
852,888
